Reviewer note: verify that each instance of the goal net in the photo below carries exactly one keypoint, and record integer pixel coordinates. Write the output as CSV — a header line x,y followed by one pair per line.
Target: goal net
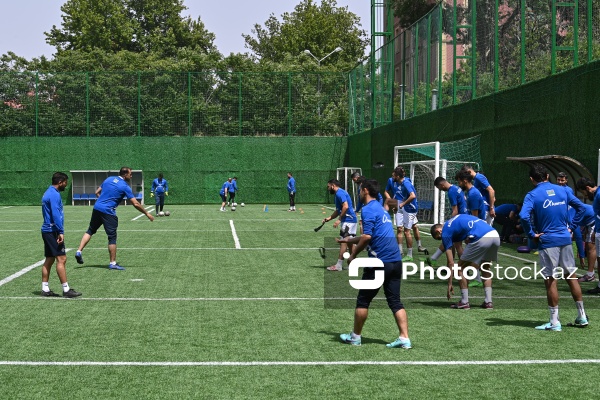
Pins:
x,y
344,175
426,161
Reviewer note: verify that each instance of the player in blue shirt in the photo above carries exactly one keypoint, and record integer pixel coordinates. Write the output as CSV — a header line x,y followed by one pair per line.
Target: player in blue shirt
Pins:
x,y
475,202
380,241
358,179
548,204
347,218
111,192
482,246
583,226
53,235
291,188
232,191
486,190
455,196
590,190
160,189
507,215
223,193
409,207
561,180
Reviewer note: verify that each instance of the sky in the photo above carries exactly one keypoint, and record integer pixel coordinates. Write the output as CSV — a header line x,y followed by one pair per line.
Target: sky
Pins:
x,y
25,21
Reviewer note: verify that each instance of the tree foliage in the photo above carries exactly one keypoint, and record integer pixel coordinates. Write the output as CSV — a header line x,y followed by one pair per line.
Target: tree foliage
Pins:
x,y
318,28
141,26
410,11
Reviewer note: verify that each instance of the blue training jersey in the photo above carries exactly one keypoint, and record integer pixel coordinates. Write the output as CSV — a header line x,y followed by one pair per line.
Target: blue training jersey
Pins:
x,y
341,197
52,211
475,201
407,188
359,204
391,187
548,205
481,183
114,190
585,218
233,187
457,198
376,222
160,186
462,227
506,209
291,186
227,186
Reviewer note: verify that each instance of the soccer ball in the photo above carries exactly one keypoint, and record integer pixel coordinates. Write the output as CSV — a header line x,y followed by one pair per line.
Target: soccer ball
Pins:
x,y
242,204
161,214
235,204
232,208
167,213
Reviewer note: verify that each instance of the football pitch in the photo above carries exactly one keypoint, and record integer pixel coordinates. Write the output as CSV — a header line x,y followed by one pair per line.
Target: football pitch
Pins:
x,y
239,305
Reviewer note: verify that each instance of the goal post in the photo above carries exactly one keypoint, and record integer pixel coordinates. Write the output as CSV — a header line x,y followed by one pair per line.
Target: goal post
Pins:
x,y
424,162
344,175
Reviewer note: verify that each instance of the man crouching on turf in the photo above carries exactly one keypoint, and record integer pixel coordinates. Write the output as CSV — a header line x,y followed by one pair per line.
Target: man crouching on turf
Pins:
x,y
483,242
379,238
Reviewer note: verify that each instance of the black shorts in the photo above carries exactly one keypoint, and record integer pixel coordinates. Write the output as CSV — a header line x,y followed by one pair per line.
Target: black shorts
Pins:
x,y
51,247
223,197
391,287
231,195
110,222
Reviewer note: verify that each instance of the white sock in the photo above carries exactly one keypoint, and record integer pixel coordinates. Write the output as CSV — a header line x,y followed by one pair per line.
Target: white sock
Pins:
x,y
580,309
65,287
113,263
419,243
410,252
45,287
590,273
355,336
465,296
553,315
488,294
340,264
400,247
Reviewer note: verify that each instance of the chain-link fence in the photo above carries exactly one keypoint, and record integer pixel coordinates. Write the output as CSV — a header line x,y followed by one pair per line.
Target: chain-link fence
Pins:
x,y
465,49
173,104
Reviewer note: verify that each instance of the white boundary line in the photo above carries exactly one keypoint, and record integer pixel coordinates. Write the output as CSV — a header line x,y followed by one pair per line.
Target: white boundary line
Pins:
x,y
208,248
236,239
258,298
5,207
290,363
518,258
24,271
141,215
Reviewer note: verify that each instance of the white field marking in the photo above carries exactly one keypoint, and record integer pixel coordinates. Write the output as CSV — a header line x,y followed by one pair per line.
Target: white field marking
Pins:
x,y
24,271
5,207
142,215
136,280
211,248
290,363
226,299
236,239
515,257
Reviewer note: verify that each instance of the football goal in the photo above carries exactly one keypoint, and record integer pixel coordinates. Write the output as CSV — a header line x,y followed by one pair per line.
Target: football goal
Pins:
x,y
424,162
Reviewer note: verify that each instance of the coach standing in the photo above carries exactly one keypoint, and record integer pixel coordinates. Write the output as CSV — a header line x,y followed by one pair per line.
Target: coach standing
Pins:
x,y
53,234
111,192
291,188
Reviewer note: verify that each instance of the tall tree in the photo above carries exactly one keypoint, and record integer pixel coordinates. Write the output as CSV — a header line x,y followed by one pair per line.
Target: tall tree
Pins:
x,y
153,26
409,11
318,28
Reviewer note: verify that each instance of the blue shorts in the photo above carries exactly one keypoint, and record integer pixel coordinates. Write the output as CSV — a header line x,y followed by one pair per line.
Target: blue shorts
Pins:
x,y
51,247
110,222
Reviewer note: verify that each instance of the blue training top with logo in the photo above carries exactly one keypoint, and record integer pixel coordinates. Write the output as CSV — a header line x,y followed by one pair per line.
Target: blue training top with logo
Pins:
x,y
52,211
227,186
114,189
475,201
160,186
377,223
548,205
406,188
462,227
341,197
457,198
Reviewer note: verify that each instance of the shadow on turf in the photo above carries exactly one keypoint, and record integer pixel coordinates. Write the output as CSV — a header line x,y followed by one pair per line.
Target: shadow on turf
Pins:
x,y
511,322
335,337
92,266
